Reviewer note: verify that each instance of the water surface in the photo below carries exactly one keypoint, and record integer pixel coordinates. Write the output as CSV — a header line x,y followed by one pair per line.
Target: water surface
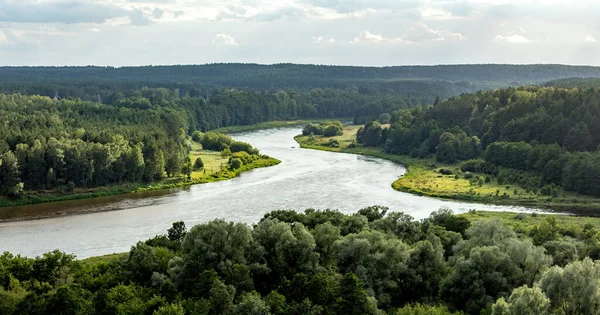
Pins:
x,y
304,179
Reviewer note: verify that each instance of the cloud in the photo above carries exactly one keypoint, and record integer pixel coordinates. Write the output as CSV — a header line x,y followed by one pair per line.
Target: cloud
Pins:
x,y
225,40
348,6
3,38
513,39
68,12
321,39
158,13
589,39
420,32
366,36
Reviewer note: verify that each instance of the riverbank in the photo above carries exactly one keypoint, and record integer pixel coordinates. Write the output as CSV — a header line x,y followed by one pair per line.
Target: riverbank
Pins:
x,y
215,170
423,178
274,124
520,222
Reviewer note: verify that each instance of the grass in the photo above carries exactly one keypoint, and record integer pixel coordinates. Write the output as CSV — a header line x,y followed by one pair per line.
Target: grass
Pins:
x,y
104,259
423,178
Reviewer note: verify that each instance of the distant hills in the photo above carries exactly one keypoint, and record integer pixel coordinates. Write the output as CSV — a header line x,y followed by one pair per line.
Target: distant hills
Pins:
x,y
422,82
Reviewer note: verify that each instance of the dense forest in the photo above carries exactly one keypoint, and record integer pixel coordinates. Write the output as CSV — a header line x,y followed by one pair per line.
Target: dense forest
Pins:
x,y
142,135
537,137
324,262
421,82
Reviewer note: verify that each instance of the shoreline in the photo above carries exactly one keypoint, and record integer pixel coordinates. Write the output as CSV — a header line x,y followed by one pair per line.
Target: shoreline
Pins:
x,y
580,207
130,188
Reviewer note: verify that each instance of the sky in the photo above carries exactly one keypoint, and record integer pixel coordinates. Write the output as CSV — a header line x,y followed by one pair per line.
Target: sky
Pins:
x,y
336,32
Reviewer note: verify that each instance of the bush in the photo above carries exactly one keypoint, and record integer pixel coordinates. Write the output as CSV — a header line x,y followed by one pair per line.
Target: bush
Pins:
x,y
333,143
475,166
235,163
446,171
198,164
332,130
238,146
468,175
311,128
197,136
215,141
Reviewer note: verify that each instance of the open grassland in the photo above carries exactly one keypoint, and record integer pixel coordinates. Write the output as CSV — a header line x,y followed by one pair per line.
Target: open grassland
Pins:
x,y
423,178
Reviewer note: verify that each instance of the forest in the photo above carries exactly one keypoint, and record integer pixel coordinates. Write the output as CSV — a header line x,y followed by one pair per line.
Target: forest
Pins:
x,y
423,83
325,262
539,138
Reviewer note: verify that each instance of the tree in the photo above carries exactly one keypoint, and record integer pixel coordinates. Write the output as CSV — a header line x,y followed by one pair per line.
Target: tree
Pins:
x,y
177,232
523,300
446,149
574,289
214,245
235,163
221,298
198,164
251,304
170,309
578,138
9,174
384,118
353,299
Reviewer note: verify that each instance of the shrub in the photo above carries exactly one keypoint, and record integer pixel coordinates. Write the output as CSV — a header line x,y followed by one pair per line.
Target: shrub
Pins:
x,y
333,143
235,163
446,171
239,146
198,164
475,166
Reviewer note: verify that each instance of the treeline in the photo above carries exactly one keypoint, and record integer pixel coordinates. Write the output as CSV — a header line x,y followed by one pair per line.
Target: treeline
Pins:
x,y
532,136
60,145
301,76
323,262
421,83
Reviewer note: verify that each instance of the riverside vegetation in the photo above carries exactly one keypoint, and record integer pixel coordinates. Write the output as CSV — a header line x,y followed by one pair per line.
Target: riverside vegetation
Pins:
x,y
325,262
530,146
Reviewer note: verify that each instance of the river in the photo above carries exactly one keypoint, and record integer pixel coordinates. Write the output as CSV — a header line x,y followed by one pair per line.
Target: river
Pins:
x,y
304,179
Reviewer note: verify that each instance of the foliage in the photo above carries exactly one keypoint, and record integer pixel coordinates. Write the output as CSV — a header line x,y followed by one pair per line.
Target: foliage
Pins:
x,y
325,262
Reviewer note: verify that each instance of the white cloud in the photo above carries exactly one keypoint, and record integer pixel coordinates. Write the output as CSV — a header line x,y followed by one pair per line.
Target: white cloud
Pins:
x,y
513,39
420,32
224,39
366,36
321,39
119,21
3,38
94,29
429,13
589,39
